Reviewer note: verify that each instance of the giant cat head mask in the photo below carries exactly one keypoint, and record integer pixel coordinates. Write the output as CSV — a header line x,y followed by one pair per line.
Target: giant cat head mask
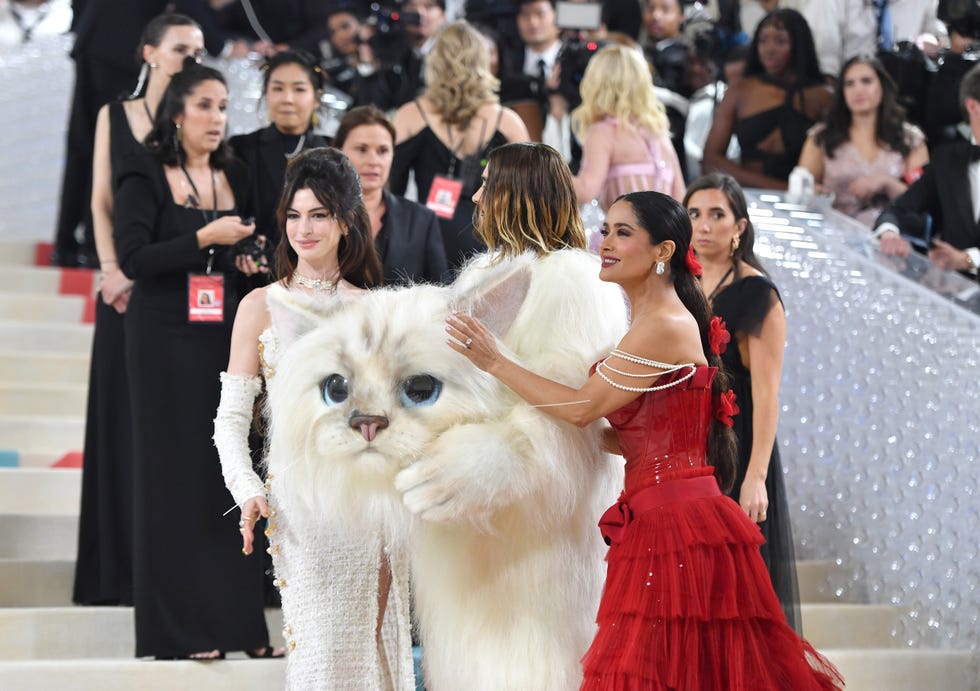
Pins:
x,y
362,386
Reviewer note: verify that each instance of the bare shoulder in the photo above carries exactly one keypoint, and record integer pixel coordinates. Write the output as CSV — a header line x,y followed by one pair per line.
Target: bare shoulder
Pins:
x,y
253,312
512,126
748,270
408,120
668,336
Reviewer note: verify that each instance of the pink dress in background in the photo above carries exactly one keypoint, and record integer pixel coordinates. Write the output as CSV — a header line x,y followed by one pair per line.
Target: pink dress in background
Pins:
x,y
658,173
847,164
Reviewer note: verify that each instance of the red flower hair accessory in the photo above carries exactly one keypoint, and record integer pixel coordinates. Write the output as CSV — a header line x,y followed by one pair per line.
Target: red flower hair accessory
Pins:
x,y
725,407
693,265
718,336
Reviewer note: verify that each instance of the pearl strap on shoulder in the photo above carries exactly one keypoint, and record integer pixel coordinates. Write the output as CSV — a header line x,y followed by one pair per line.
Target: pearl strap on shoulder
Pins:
x,y
665,368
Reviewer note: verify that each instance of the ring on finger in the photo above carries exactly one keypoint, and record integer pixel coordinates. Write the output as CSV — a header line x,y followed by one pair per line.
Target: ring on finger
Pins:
x,y
468,343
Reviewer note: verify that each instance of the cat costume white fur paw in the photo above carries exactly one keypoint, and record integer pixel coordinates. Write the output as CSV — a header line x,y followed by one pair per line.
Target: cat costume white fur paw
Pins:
x,y
507,560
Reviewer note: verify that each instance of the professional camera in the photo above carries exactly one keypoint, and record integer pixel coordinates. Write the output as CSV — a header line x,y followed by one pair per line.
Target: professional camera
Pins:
x,y
389,39
573,59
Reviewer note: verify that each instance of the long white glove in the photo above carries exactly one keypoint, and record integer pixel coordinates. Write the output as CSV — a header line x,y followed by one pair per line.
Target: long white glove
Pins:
x,y
231,426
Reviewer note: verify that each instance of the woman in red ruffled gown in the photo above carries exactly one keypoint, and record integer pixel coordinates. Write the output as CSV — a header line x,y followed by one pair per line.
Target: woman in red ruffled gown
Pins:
x,y
688,604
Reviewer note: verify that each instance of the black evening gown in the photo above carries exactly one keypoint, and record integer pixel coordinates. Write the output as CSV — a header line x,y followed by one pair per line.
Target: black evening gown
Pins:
x,y
744,305
104,565
428,157
194,590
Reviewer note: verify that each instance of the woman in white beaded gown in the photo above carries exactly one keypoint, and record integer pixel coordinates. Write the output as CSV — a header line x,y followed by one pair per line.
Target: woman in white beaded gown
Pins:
x,y
344,595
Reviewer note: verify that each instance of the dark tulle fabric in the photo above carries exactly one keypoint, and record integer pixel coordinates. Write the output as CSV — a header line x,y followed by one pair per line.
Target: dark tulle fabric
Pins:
x,y
688,605
744,305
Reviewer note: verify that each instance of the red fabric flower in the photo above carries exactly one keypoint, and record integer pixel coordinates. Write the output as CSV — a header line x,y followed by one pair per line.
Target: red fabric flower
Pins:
x,y
718,336
725,407
693,265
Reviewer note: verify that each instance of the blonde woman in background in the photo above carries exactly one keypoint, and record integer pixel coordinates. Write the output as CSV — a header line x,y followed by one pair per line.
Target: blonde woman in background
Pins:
x,y
624,131
445,135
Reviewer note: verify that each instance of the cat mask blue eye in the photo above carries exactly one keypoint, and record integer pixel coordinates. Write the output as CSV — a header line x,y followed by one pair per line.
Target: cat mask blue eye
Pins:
x,y
420,390
334,389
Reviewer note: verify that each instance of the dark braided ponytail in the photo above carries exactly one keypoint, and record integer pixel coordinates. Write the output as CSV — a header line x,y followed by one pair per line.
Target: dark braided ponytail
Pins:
x,y
666,219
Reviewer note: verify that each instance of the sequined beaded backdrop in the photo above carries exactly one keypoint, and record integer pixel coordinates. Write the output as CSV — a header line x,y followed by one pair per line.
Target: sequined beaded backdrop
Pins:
x,y
878,429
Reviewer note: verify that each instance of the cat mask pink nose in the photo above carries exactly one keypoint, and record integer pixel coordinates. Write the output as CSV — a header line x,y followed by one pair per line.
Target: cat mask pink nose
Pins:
x,y
369,425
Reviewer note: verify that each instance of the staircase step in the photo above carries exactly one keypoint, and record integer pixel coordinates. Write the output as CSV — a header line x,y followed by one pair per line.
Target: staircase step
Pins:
x,y
36,368
39,537
41,308
43,399
905,669
42,491
817,579
30,279
44,337
69,633
850,625
37,433
43,583
17,253
145,675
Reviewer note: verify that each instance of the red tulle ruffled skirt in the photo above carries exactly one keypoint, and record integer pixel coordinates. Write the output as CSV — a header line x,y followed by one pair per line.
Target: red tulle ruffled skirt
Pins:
x,y
688,605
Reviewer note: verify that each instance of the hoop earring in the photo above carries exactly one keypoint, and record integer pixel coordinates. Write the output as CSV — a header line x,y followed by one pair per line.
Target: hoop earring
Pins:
x,y
660,268
736,240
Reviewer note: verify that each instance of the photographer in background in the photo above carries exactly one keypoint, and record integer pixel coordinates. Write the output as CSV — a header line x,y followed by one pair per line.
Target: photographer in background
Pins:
x,y
369,57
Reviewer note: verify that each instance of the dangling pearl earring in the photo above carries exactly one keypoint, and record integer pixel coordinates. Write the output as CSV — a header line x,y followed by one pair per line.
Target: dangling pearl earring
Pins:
x,y
660,268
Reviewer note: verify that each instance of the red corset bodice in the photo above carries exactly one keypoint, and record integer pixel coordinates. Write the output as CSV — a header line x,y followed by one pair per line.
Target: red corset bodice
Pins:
x,y
664,434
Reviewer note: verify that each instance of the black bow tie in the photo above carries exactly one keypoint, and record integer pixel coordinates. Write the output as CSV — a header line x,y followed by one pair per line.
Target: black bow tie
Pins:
x,y
974,152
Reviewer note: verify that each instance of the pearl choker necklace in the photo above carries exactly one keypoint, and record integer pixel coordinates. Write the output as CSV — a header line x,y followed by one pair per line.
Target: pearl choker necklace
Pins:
x,y
316,284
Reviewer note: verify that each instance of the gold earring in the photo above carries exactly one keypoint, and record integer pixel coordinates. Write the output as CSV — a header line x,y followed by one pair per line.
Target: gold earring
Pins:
x,y
736,239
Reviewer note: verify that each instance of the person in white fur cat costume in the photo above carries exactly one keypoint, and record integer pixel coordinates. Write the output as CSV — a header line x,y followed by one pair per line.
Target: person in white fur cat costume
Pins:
x,y
507,559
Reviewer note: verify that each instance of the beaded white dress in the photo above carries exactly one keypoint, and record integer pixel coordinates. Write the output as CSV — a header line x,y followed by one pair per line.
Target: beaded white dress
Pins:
x,y
328,577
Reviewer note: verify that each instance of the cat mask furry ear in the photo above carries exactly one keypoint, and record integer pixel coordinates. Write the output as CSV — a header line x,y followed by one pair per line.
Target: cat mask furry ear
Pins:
x,y
497,298
295,314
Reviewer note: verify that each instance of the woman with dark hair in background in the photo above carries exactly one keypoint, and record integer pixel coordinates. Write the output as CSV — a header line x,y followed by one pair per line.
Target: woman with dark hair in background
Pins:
x,y
104,567
445,135
686,604
739,292
771,109
405,234
292,84
865,152
177,214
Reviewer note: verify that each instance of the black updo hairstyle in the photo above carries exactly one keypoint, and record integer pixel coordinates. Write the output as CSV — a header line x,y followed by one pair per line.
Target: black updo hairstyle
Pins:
x,y
153,35
333,180
664,218
163,141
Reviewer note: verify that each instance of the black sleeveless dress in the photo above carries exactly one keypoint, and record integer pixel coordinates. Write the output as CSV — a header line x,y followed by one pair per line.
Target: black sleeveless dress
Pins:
x,y
104,565
792,126
743,305
194,590
425,154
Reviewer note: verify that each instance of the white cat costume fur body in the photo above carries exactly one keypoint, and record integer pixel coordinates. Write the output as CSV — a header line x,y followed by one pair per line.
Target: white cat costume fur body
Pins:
x,y
507,559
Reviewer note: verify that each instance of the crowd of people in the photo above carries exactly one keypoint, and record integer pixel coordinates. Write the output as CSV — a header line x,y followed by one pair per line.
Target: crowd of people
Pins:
x,y
195,234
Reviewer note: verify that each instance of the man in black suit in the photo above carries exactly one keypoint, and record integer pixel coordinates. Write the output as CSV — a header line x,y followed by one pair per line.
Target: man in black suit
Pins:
x,y
943,205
